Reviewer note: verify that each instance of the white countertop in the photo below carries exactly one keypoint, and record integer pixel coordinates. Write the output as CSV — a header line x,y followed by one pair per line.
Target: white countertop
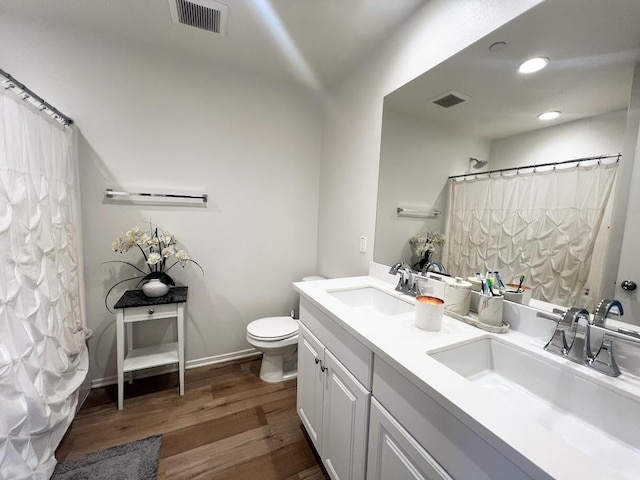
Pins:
x,y
405,347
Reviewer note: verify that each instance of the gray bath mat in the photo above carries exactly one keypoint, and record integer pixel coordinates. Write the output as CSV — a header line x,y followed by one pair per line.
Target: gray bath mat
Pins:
x,y
132,461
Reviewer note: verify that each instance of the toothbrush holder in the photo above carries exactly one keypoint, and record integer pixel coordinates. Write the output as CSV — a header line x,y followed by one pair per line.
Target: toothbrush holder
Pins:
x,y
490,310
513,295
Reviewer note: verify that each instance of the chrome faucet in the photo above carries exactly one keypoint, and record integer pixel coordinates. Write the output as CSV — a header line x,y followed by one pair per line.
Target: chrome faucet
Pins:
x,y
433,266
409,279
571,326
405,276
395,268
603,310
602,358
587,342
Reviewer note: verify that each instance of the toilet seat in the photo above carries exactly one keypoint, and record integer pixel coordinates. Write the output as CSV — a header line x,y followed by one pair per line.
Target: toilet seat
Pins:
x,y
272,329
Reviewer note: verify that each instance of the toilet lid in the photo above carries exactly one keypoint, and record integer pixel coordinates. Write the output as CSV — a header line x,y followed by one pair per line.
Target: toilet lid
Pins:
x,y
273,328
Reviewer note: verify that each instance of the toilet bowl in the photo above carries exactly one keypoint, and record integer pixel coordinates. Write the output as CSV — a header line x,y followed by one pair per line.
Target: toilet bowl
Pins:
x,y
277,339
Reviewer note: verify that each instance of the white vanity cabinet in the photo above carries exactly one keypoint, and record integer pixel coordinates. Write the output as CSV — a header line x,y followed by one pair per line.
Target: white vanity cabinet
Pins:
x,y
395,454
345,417
333,400
310,384
433,436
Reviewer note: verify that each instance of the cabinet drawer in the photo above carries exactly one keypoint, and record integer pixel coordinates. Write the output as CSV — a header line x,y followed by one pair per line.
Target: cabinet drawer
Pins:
x,y
393,453
353,354
150,312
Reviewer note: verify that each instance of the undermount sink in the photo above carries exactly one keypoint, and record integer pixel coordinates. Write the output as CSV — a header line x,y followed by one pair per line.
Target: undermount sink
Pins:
x,y
600,421
373,300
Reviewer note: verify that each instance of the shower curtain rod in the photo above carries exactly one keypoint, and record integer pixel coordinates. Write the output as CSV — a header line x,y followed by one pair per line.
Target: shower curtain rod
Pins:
x,y
28,93
553,164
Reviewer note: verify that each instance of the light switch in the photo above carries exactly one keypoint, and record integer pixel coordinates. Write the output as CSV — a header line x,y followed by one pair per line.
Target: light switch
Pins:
x,y
363,244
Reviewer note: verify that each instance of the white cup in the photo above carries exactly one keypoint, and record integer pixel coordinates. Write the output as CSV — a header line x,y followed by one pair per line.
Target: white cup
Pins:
x,y
490,310
526,293
429,311
457,296
513,296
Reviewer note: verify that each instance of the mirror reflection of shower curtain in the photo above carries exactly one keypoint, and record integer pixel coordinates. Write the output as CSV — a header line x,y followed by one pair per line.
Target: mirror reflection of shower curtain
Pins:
x,y
43,355
545,225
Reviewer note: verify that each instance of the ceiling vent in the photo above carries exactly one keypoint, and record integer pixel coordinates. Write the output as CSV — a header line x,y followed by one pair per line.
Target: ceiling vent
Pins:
x,y
203,14
450,99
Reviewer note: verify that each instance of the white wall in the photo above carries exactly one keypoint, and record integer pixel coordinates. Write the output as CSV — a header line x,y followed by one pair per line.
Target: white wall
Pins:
x,y
353,119
156,123
159,122
602,134
416,160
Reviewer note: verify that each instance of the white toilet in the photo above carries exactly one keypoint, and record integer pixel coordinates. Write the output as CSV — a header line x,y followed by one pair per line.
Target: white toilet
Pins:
x,y
277,339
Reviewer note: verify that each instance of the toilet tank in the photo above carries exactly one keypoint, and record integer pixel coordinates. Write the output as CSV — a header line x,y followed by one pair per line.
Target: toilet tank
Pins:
x,y
295,314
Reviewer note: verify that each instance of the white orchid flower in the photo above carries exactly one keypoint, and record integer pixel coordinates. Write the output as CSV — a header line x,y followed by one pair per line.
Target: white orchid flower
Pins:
x,y
127,244
142,239
153,258
116,246
168,239
182,257
168,251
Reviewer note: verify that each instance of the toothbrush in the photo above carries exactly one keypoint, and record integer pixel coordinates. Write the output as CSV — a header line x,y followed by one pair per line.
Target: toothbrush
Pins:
x,y
485,285
522,277
499,281
490,286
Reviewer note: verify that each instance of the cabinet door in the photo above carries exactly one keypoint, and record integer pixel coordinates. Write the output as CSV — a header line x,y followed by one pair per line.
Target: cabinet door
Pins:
x,y
394,454
310,388
344,423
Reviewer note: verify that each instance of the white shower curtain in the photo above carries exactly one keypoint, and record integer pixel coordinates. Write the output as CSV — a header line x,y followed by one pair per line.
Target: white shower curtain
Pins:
x,y
43,356
542,224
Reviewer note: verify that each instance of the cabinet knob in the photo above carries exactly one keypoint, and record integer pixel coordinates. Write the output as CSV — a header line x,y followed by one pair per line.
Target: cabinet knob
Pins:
x,y
323,368
628,285
151,311
317,360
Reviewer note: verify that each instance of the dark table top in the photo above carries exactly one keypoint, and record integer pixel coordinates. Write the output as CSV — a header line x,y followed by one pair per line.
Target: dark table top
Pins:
x,y
137,298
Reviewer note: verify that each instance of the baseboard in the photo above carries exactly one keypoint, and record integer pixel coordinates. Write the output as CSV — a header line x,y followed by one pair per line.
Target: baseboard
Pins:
x,y
198,362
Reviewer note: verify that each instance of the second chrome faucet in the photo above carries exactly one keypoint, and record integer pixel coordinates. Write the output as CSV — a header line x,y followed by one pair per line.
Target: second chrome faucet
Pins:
x,y
590,342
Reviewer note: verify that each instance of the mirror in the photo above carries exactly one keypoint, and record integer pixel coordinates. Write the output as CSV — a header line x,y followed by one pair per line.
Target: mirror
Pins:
x,y
593,52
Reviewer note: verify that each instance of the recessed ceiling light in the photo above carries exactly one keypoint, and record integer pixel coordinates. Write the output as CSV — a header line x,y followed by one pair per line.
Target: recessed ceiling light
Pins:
x,y
533,65
549,115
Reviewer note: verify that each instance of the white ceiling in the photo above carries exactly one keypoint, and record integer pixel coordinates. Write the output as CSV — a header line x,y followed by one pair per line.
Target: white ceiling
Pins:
x,y
593,47
313,42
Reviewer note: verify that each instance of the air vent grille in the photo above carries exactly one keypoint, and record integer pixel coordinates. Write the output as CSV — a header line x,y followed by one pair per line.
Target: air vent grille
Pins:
x,y
203,14
450,99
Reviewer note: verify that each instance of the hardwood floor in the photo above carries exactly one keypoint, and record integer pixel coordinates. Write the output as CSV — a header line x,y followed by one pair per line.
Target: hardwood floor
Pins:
x,y
228,425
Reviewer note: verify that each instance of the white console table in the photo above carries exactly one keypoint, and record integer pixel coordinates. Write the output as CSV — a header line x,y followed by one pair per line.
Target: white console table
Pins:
x,y
135,306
